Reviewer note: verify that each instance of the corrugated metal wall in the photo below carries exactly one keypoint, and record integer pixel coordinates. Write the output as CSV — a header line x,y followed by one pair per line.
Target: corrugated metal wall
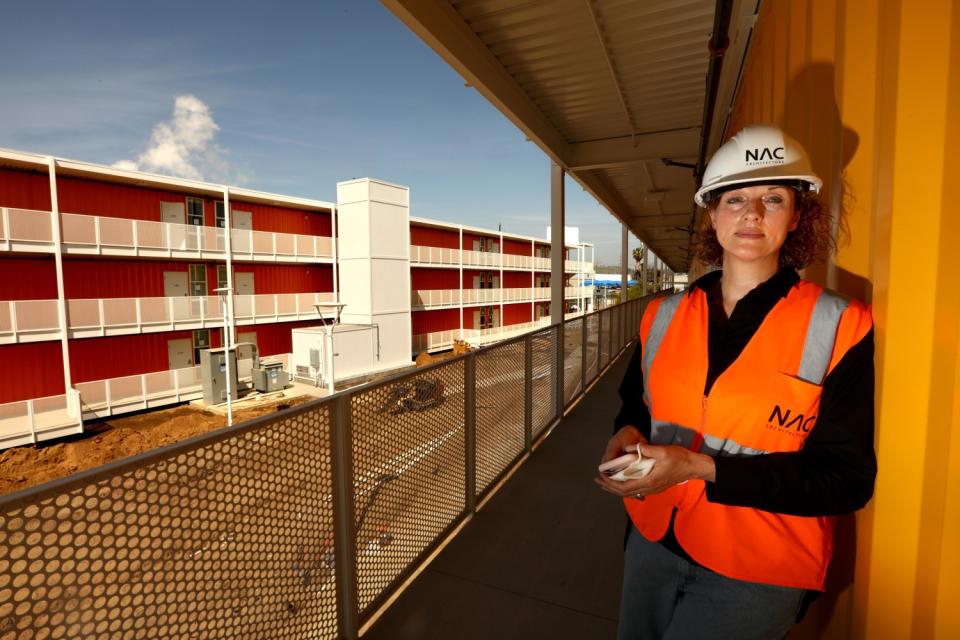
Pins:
x,y
434,278
118,278
438,320
276,338
113,200
33,370
469,237
23,278
24,190
31,190
517,247
282,278
117,356
432,237
517,313
517,279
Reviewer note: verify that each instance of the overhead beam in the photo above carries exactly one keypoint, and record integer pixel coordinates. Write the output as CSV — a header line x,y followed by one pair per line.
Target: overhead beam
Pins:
x,y
614,152
444,30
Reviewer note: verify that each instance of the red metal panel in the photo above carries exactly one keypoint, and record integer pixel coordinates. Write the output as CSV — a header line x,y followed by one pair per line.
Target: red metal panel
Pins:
x,y
468,275
287,278
118,278
276,338
469,237
34,370
285,219
517,279
28,278
89,197
432,237
117,356
24,190
431,321
516,247
434,278
516,313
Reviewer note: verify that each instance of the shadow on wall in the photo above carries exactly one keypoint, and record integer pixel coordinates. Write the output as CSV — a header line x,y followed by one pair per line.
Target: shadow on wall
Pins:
x,y
811,115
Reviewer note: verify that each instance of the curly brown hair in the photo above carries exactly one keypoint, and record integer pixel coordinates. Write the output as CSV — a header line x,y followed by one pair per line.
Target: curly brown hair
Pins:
x,y
812,240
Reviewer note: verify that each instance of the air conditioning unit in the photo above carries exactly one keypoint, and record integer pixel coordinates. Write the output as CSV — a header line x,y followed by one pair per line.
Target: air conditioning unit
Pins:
x,y
270,377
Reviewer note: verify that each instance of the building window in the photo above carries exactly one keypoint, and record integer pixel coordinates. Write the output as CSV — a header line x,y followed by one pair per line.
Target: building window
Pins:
x,y
221,276
198,280
220,217
195,211
201,341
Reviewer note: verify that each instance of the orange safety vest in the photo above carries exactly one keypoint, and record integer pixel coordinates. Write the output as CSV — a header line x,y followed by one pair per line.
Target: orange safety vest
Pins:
x,y
767,401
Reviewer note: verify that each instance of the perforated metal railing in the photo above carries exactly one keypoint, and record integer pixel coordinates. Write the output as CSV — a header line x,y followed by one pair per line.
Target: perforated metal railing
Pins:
x,y
296,525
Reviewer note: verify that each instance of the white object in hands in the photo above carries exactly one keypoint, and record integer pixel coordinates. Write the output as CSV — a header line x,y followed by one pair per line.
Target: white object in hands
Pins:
x,y
630,466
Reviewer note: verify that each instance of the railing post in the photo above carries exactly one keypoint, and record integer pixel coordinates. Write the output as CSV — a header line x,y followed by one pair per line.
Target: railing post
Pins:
x,y
102,318
528,392
558,377
583,352
344,533
33,426
600,315
470,431
610,335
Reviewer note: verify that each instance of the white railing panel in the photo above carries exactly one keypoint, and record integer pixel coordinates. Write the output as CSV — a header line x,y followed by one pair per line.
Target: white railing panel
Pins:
x,y
93,395
159,384
31,226
116,232
77,229
155,311
6,316
264,305
36,315
125,390
285,244
151,235
119,312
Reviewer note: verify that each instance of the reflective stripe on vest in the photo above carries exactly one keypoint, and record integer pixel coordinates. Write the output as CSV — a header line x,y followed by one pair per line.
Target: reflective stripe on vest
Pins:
x,y
667,433
661,322
821,335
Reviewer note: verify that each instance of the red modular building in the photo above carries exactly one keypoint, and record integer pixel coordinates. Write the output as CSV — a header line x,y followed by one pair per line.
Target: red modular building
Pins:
x,y
124,289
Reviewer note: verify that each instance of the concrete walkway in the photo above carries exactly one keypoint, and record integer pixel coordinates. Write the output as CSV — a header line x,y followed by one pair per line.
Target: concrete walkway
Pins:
x,y
542,559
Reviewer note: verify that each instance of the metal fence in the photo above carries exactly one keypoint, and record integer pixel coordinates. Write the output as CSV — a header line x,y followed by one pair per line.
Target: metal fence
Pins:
x,y
296,525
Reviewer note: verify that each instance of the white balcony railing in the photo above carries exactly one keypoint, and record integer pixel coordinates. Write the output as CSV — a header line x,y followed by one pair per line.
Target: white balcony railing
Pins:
x,y
434,255
433,298
102,398
29,230
422,255
34,320
30,421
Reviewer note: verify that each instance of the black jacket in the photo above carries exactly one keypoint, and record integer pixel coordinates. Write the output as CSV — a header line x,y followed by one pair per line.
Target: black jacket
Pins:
x,y
834,471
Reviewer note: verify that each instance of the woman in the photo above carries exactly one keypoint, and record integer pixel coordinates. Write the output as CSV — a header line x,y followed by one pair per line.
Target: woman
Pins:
x,y
753,394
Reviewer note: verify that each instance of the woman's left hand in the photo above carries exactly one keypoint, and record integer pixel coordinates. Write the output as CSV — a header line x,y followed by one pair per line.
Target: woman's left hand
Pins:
x,y
673,465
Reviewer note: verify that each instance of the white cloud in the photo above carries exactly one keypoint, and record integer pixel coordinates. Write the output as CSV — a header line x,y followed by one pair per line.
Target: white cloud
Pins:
x,y
184,146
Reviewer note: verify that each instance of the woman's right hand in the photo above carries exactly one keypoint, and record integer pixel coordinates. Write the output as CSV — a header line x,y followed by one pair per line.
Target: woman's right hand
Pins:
x,y
623,441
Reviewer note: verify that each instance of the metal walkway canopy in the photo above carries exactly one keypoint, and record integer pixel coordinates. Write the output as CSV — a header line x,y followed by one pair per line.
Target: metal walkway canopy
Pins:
x,y
614,91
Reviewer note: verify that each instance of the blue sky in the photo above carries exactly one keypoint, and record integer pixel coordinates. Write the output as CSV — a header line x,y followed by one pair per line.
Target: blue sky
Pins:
x,y
303,94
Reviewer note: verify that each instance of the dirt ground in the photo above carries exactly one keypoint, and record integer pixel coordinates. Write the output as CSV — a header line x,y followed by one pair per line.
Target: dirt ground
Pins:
x,y
111,439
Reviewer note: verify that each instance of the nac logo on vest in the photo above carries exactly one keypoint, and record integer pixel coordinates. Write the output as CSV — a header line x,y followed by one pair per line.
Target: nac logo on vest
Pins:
x,y
788,423
763,156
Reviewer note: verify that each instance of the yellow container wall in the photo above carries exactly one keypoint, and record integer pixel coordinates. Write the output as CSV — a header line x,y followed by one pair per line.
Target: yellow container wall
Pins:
x,y
872,90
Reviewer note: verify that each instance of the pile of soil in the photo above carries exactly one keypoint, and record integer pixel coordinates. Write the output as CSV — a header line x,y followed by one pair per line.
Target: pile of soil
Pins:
x,y
111,439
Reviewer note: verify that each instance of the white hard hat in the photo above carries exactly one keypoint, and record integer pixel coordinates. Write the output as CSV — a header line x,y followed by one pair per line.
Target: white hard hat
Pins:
x,y
759,153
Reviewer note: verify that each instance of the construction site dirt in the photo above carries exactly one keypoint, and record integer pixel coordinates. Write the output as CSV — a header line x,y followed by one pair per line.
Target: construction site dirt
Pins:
x,y
111,439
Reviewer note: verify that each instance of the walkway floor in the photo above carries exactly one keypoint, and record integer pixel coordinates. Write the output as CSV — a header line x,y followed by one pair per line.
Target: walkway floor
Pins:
x,y
542,559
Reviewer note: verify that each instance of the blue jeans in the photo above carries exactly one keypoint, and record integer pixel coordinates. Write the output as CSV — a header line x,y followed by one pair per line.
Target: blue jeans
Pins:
x,y
664,596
